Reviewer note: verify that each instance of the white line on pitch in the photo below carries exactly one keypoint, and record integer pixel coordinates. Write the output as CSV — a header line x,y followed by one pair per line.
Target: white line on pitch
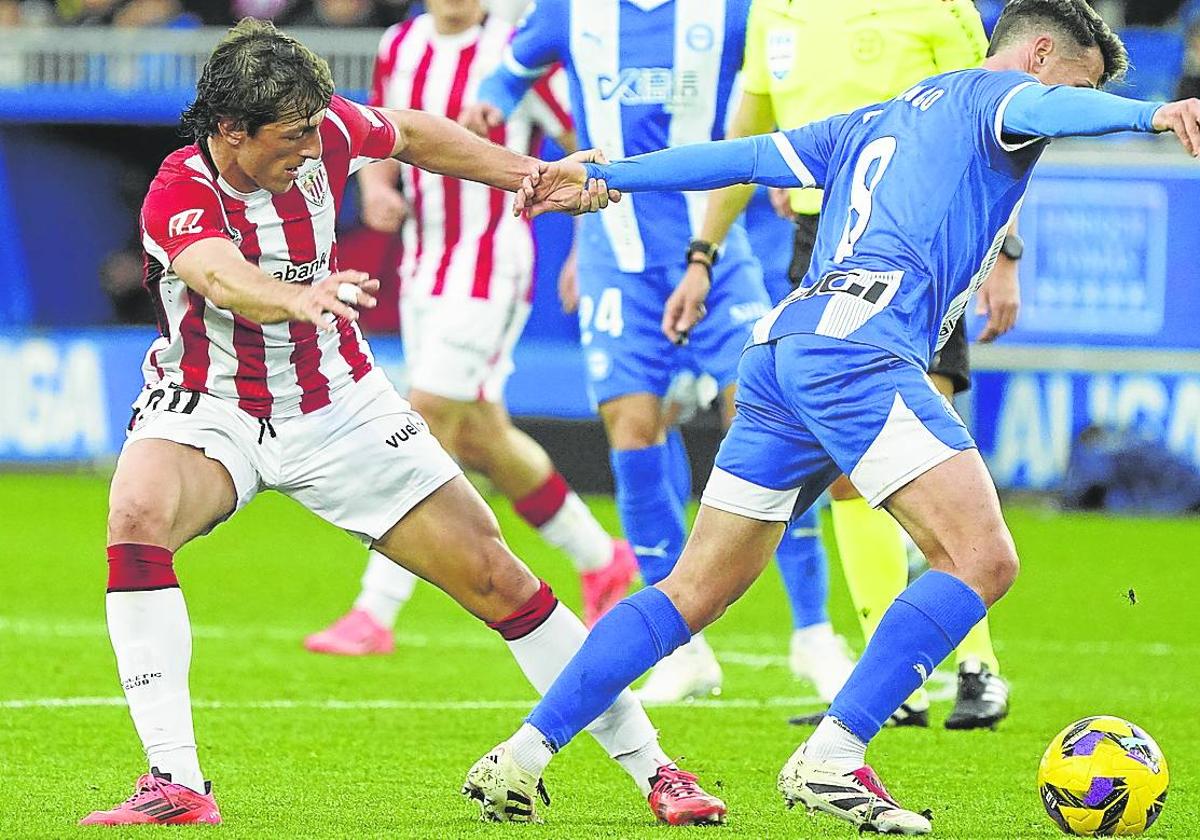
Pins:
x,y
395,705
736,648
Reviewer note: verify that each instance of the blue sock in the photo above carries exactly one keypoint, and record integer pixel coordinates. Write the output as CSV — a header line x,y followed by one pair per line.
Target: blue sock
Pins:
x,y
624,644
918,631
679,466
650,513
801,559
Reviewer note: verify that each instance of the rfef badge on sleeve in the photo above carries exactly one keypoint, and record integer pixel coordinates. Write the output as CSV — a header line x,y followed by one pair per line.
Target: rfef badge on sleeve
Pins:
x,y
781,52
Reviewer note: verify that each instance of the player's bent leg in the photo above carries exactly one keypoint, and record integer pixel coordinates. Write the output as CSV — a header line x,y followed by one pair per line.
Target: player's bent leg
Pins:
x,y
637,633
953,514
522,471
163,493
451,539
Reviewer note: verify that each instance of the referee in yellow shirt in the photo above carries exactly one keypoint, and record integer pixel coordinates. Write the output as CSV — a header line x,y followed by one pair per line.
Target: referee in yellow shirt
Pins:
x,y
807,60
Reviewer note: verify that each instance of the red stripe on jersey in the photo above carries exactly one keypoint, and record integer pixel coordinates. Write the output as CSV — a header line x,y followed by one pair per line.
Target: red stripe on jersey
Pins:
x,y
417,103
485,258
351,350
545,92
452,187
254,397
384,67
195,360
250,379
306,351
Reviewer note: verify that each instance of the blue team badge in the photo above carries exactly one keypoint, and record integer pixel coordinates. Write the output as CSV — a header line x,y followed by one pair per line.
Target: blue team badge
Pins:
x,y
700,37
599,365
781,52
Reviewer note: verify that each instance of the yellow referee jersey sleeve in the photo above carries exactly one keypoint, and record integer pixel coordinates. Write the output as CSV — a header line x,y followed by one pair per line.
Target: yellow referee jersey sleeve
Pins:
x,y
816,58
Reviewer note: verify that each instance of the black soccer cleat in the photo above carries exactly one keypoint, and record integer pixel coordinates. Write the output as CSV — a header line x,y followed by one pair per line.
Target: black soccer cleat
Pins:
x,y
906,715
982,700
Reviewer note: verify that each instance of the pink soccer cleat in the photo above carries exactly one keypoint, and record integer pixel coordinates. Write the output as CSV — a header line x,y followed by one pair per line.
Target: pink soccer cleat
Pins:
x,y
157,801
354,634
676,799
603,588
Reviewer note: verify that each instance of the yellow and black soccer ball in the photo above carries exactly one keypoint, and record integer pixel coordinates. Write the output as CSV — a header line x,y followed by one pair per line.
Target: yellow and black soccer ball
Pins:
x,y
1103,776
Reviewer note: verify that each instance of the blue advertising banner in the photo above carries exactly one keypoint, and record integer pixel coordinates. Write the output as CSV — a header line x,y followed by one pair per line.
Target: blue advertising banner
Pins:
x,y
1027,418
68,392
1110,252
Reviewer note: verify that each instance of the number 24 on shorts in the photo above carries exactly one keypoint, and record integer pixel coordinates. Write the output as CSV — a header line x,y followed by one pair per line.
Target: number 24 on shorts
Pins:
x,y
603,316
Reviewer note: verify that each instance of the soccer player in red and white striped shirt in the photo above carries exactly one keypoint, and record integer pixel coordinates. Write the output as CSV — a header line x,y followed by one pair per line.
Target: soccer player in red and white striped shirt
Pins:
x,y
261,380
466,285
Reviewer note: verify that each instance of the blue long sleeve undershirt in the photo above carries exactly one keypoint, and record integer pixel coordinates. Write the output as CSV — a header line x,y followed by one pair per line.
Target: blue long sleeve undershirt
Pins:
x,y
1034,111
1061,111
700,166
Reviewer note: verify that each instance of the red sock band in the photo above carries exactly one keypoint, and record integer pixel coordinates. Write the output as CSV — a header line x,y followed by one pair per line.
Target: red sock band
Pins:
x,y
539,507
133,567
529,617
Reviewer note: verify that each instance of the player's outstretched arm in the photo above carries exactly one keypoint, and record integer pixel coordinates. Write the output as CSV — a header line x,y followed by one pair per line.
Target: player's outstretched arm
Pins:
x,y
763,159
1038,111
216,269
443,146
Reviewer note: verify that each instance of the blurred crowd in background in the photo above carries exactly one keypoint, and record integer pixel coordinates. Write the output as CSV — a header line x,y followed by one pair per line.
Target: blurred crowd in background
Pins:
x,y
373,13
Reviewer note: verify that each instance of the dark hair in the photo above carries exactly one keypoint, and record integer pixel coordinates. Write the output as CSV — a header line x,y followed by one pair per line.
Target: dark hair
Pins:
x,y
257,75
1022,19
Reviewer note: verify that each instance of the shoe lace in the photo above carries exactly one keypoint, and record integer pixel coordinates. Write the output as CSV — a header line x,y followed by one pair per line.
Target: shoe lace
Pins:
x,y
671,781
541,792
148,786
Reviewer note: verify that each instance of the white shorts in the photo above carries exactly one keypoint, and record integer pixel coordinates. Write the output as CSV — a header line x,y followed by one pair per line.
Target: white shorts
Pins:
x,y
461,349
360,463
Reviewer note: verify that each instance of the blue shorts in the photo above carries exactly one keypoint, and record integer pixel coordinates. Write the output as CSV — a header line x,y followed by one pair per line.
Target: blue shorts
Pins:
x,y
810,408
620,318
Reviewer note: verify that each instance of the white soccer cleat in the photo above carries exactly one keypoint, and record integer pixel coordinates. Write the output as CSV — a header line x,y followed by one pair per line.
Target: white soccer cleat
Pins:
x,y
505,792
691,672
857,796
822,658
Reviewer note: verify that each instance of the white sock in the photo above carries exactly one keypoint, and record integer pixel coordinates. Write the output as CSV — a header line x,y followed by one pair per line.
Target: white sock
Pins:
x,y
530,749
624,730
575,530
152,640
834,744
813,634
386,587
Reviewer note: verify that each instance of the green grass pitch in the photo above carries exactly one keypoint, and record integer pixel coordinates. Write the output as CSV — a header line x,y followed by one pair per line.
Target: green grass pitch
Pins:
x,y
306,746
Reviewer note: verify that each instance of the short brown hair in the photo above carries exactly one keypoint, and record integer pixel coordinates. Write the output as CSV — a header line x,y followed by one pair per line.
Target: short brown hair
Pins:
x,y
257,75
1076,19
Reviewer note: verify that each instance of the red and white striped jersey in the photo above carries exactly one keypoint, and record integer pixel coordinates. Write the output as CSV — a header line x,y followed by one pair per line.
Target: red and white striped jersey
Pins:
x,y
462,234
268,370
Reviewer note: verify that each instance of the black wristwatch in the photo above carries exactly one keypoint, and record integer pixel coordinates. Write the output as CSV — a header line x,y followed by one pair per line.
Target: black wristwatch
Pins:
x,y
1013,247
707,251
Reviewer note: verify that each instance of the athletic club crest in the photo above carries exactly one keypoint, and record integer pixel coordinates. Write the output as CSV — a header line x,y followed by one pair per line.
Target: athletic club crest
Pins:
x,y
314,184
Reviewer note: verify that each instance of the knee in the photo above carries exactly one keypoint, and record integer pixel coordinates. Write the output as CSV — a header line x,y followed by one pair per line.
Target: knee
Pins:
x,y
1003,567
134,518
473,449
700,606
993,571
629,429
500,582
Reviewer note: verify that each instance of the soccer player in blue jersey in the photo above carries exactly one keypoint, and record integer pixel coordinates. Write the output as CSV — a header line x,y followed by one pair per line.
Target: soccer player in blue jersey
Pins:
x,y
645,75
918,193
